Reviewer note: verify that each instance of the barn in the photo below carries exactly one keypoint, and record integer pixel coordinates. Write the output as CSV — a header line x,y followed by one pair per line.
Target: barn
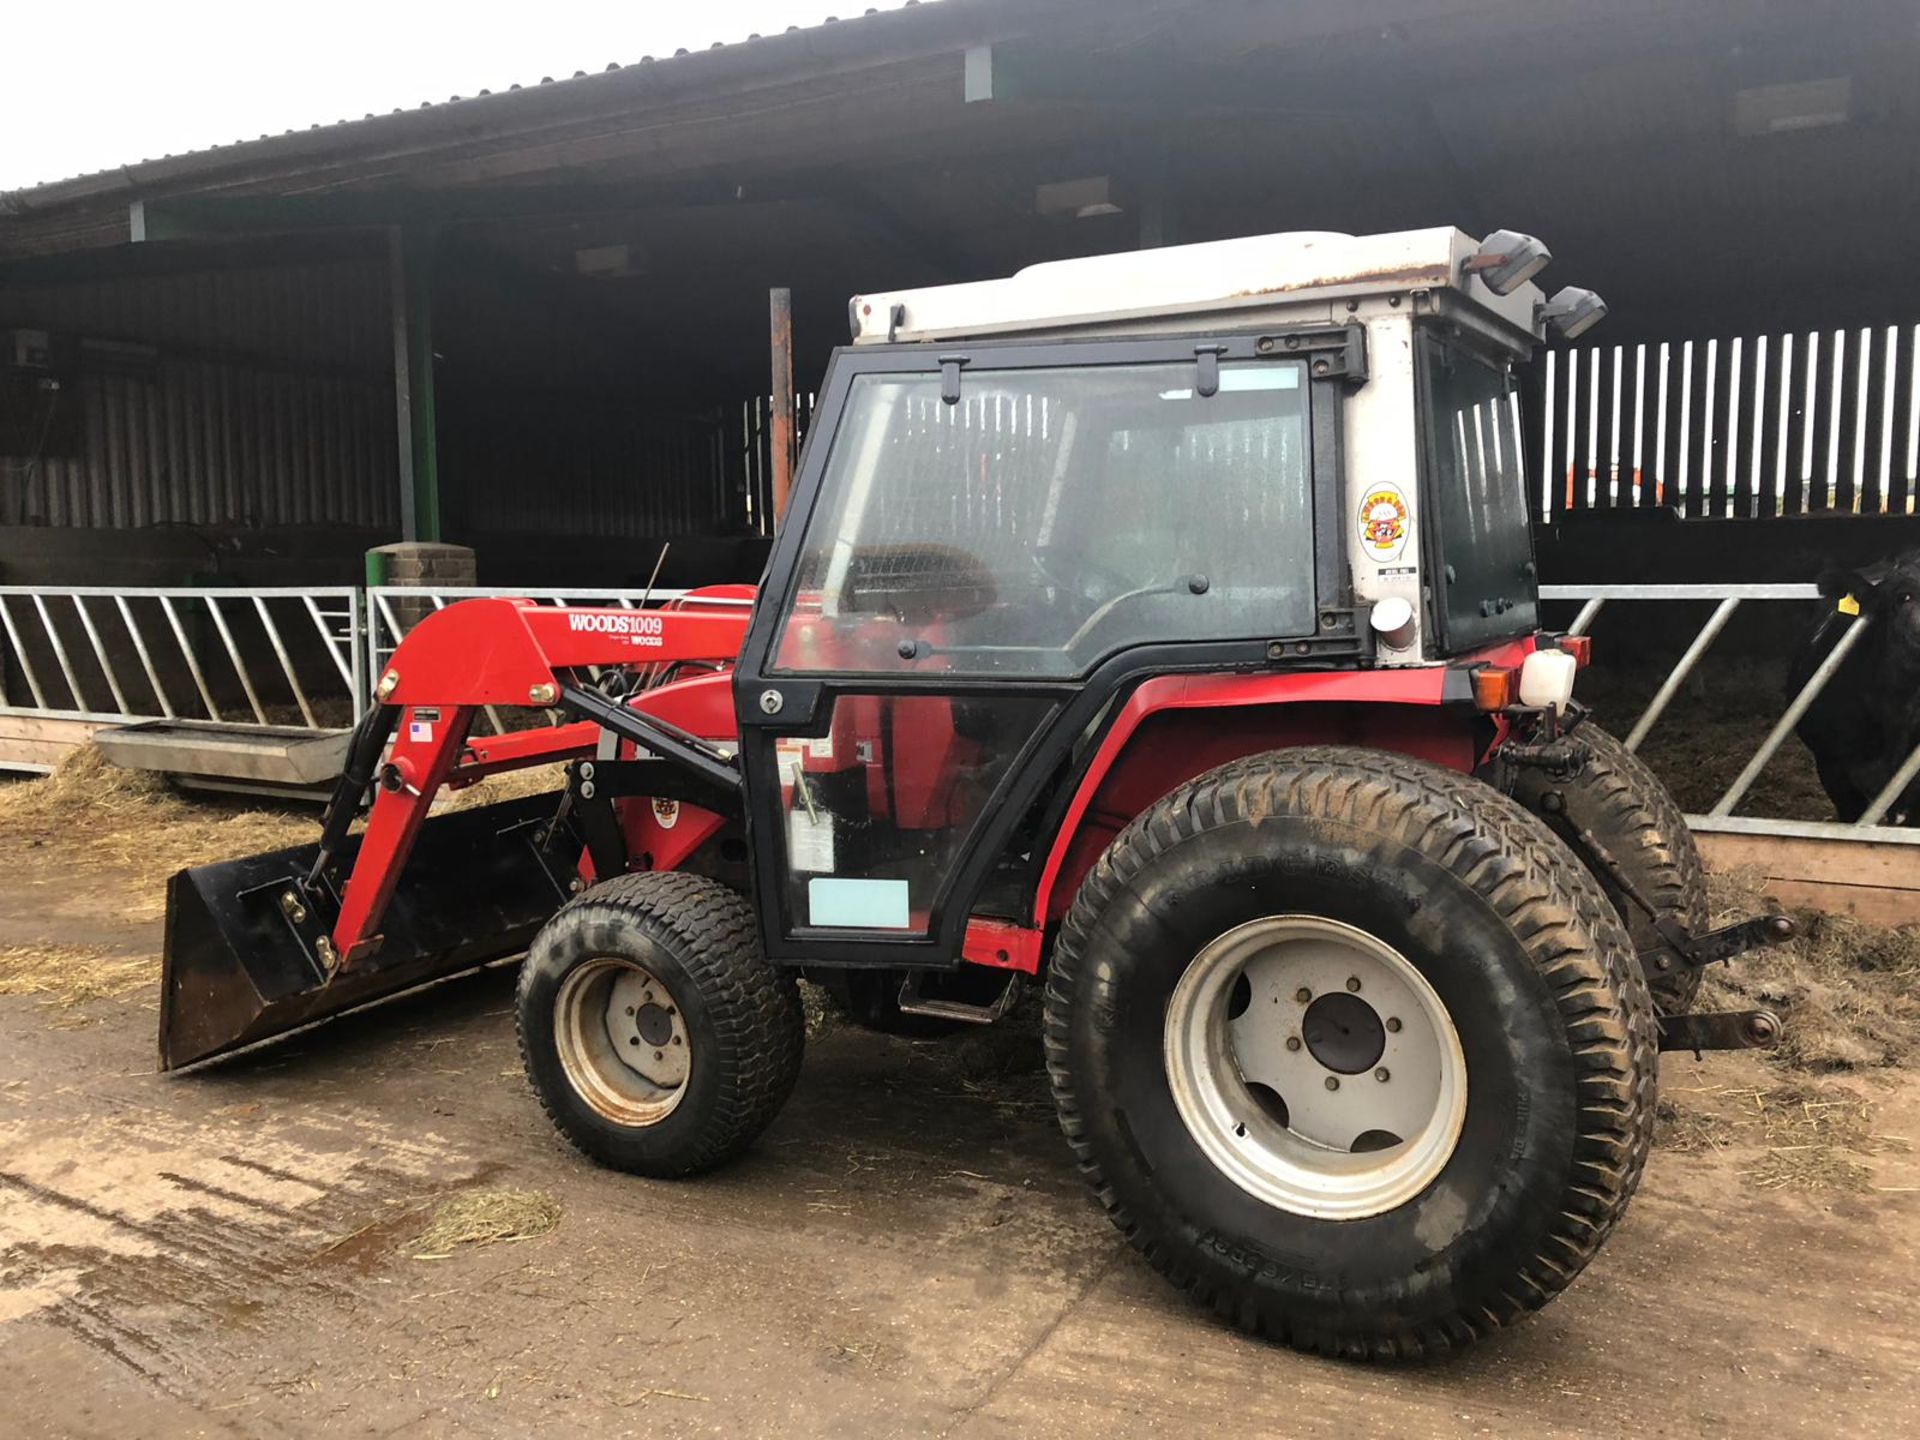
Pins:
x,y
522,339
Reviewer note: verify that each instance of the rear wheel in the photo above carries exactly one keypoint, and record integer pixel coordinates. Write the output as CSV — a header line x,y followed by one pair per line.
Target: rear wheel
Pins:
x,y
1624,805
656,1035
1351,1049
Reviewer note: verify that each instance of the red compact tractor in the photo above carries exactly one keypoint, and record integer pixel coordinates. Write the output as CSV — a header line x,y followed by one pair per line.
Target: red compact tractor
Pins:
x,y
1159,629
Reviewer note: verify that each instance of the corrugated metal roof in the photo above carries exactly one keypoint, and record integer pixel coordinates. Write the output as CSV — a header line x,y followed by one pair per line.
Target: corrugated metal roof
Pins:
x,y
455,109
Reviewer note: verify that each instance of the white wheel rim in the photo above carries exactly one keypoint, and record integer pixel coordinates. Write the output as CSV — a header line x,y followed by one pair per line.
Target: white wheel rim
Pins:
x,y
622,1041
1253,1086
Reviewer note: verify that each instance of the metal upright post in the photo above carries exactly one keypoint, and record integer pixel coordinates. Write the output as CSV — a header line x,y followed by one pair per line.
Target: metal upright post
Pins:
x,y
780,320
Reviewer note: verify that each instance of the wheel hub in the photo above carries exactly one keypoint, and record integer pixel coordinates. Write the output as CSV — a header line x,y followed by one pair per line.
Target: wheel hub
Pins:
x,y
622,1041
1343,1033
655,1024
1315,1066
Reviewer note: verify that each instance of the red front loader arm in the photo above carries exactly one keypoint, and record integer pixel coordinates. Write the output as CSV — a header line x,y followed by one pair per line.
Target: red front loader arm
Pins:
x,y
498,652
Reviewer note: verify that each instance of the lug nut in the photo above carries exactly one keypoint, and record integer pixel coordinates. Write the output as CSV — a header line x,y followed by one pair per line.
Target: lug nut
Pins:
x,y
1393,1024
1333,1082
1293,1042
633,1040
1381,1075
1353,982
629,1009
1303,995
659,1055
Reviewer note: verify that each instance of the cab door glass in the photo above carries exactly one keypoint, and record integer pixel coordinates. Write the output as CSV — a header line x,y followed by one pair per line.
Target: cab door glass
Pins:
x,y
875,813
1054,516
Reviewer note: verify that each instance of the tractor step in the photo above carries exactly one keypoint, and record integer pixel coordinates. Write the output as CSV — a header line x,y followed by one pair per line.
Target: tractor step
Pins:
x,y
914,1002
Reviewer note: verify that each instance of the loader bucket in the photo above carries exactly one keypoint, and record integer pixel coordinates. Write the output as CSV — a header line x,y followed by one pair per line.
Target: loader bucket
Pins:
x,y
239,969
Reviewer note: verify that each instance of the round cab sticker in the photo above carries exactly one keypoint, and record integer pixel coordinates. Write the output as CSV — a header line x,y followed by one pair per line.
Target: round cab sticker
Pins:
x,y
1383,523
667,813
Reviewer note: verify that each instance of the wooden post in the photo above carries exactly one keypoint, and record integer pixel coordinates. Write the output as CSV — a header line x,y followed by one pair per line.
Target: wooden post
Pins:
x,y
780,320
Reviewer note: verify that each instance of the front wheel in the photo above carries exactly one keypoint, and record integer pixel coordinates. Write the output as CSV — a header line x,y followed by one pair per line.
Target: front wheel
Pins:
x,y
656,1035
1351,1048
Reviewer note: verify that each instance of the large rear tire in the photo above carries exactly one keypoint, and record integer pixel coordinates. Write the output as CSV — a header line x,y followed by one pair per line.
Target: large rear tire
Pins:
x,y
1232,946
1628,810
656,1035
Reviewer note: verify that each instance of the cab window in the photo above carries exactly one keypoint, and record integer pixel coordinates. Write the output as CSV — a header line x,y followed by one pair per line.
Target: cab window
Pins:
x,y
1053,517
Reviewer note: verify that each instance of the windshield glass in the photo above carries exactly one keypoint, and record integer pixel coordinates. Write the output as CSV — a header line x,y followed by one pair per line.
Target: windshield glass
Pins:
x,y
1054,516
1477,486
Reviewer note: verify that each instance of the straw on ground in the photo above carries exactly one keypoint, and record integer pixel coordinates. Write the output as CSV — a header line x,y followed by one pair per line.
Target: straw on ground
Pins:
x,y
486,1217
66,977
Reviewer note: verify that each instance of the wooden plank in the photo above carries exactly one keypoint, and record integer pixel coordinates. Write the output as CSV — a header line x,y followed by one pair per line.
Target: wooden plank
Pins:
x,y
37,743
1873,881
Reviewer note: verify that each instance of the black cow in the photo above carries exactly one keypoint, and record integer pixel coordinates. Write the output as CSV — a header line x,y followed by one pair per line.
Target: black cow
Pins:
x,y
1866,722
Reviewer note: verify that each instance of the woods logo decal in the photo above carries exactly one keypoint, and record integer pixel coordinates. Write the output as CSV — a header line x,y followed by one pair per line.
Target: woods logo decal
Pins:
x,y
1383,523
636,627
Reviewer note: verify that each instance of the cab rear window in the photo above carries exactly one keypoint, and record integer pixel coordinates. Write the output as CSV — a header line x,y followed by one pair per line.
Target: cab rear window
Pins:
x,y
1481,558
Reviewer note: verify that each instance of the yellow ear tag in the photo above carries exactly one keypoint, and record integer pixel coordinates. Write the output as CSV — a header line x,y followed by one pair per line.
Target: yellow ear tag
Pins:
x,y
1848,605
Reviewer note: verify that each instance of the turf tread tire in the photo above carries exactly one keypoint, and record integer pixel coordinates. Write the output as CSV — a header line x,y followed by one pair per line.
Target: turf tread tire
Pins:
x,y
1553,906
757,1029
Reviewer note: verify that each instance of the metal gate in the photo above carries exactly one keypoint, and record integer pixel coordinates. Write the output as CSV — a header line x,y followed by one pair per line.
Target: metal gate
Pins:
x,y
74,658
1869,867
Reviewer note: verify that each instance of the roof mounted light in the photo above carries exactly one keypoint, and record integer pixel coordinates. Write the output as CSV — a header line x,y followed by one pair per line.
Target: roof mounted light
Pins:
x,y
1506,260
1571,312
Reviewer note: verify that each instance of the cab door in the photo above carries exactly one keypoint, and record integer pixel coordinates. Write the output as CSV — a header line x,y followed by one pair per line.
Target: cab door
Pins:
x,y
984,545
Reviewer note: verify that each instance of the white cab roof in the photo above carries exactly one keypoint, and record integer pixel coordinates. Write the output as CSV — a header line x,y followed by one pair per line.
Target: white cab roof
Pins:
x,y
1225,278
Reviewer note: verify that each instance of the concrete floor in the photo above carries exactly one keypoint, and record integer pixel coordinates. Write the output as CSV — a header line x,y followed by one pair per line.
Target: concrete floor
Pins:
x,y
906,1252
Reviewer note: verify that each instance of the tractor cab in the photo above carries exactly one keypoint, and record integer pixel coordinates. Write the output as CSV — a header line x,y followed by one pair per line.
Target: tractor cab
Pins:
x,y
1023,497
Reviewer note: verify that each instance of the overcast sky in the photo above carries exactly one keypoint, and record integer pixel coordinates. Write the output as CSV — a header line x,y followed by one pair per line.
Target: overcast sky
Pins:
x,y
90,84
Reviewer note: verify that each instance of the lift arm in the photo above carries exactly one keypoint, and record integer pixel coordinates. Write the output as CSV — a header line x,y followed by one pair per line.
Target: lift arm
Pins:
x,y
505,652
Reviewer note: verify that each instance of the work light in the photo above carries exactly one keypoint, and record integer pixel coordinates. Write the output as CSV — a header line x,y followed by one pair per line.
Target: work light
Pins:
x,y
1506,260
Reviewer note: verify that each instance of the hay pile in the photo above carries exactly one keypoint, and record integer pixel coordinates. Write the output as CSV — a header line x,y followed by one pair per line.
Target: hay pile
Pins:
x,y
98,817
1849,994
486,1217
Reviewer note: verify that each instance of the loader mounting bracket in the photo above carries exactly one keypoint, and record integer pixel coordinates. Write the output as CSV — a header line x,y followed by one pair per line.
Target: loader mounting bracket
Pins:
x,y
308,908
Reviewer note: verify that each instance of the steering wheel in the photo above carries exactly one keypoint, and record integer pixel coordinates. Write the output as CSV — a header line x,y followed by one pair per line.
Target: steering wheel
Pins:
x,y
1086,578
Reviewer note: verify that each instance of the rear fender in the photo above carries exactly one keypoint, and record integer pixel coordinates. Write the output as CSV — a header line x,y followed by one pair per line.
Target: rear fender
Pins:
x,y
1177,727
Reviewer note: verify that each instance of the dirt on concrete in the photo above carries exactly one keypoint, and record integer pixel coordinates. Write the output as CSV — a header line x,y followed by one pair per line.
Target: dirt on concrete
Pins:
x,y
908,1251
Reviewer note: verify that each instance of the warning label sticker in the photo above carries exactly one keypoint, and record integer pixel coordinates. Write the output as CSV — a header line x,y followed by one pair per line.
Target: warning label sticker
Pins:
x,y
1383,523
